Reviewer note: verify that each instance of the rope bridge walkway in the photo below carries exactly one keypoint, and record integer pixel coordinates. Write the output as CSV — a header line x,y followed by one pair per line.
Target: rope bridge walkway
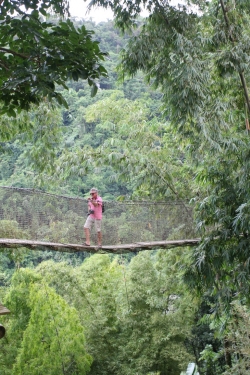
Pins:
x,y
42,221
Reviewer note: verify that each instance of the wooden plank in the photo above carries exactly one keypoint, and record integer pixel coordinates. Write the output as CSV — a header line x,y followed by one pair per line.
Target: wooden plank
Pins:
x,y
116,249
4,310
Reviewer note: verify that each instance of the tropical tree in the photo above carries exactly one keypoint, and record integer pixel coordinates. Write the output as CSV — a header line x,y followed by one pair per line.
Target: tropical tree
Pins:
x,y
54,341
134,145
136,316
198,55
195,43
38,55
238,337
44,331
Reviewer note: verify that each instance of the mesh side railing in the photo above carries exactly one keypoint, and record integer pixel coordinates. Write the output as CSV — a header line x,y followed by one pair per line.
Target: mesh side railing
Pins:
x,y
38,216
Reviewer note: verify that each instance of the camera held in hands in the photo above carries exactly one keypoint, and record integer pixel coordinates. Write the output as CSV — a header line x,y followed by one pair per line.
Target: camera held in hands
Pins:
x,y
91,212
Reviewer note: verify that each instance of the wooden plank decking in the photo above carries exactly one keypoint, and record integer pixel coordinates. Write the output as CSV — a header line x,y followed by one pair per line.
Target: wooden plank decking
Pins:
x,y
4,310
115,249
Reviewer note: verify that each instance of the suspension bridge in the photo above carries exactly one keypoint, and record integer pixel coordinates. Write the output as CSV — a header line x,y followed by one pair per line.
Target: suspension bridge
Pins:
x,y
38,220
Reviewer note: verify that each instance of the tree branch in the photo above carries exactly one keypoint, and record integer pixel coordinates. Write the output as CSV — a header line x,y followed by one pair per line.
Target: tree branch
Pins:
x,y
243,82
3,49
225,13
162,12
4,65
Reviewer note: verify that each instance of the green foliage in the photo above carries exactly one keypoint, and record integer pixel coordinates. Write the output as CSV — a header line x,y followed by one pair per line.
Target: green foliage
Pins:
x,y
16,299
139,150
45,332
9,229
210,359
237,340
31,157
34,138
202,52
220,263
37,55
200,61
140,311
11,259
53,341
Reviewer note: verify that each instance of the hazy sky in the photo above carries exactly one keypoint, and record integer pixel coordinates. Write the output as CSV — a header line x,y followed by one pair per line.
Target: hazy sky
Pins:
x,y
78,8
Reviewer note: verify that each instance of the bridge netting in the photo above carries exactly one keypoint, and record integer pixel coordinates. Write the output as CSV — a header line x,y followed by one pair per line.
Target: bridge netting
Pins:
x,y
35,215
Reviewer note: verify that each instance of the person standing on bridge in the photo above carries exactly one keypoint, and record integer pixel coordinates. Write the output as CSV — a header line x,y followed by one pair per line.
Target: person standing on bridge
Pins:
x,y
94,217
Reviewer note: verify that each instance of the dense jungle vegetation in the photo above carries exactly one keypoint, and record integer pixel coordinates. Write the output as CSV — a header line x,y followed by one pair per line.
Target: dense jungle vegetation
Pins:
x,y
154,109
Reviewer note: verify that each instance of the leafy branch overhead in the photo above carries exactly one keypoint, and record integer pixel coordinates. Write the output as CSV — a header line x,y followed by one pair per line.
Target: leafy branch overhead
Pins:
x,y
37,55
197,54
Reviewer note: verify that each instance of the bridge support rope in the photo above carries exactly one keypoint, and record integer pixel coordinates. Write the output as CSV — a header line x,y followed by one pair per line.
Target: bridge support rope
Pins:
x,y
114,249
